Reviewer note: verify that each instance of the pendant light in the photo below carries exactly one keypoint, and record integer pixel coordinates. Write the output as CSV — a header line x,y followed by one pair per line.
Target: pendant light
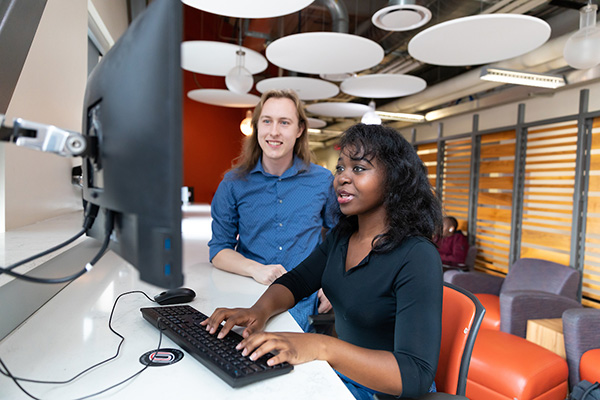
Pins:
x,y
370,117
239,80
582,50
246,124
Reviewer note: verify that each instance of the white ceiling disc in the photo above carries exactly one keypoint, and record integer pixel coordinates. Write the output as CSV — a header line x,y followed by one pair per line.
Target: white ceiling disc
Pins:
x,y
338,110
379,86
249,9
479,39
218,58
337,77
324,53
401,17
306,88
225,98
316,123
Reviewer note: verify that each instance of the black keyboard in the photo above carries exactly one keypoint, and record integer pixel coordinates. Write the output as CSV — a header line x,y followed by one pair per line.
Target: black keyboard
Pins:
x,y
182,325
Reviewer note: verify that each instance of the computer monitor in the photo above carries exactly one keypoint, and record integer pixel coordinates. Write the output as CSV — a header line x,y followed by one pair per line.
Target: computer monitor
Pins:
x,y
132,115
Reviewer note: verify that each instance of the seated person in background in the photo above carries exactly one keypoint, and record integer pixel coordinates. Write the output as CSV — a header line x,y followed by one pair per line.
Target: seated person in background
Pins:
x,y
452,245
378,267
270,209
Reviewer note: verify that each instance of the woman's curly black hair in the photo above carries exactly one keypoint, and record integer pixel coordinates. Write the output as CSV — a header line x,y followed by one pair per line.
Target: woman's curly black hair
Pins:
x,y
412,207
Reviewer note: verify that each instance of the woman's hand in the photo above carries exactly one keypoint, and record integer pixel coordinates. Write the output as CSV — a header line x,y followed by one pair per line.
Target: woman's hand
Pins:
x,y
253,320
295,348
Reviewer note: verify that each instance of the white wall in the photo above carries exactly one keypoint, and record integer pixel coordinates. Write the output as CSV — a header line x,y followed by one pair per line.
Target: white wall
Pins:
x,y
37,186
114,16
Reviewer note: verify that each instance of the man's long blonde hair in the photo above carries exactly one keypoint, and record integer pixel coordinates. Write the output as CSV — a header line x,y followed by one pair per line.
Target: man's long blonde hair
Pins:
x,y
251,151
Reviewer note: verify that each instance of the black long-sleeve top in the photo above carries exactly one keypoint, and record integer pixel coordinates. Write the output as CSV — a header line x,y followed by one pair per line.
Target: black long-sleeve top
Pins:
x,y
390,301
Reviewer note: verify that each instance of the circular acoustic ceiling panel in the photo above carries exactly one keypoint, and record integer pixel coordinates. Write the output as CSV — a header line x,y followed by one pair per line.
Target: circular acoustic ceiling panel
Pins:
x,y
379,86
306,88
338,110
401,17
218,58
224,98
315,123
479,39
249,9
337,77
324,53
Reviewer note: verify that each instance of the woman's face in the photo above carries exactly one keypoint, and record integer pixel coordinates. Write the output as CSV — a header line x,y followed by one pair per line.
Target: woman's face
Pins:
x,y
278,129
359,184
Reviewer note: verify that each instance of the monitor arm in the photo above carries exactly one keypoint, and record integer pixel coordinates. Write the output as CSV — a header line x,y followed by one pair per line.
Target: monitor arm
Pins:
x,y
46,138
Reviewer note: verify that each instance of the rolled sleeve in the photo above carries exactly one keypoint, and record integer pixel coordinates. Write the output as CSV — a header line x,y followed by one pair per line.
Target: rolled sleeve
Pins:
x,y
225,220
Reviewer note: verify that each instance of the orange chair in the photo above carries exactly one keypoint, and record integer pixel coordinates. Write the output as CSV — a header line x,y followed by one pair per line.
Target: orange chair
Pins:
x,y
461,317
505,366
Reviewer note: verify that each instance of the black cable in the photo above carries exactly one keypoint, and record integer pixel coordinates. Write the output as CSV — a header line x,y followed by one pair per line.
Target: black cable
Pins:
x,y
16,380
89,217
108,230
43,253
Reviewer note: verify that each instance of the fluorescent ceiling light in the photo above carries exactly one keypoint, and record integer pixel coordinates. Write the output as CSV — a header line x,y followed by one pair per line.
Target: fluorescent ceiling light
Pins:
x,y
401,116
522,78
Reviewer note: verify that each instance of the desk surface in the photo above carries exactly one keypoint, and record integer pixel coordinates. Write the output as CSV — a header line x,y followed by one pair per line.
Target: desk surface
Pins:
x,y
70,333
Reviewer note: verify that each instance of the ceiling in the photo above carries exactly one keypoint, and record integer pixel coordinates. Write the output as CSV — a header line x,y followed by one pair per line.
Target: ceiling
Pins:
x,y
450,90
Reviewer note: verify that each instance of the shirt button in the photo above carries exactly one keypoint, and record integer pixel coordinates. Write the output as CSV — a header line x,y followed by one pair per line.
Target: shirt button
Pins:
x,y
280,248
280,201
280,224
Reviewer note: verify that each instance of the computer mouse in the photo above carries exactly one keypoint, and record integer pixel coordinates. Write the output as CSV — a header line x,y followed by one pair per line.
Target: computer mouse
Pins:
x,y
175,296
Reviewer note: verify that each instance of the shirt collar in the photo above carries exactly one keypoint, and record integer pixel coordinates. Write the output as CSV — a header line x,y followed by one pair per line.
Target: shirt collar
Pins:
x,y
298,166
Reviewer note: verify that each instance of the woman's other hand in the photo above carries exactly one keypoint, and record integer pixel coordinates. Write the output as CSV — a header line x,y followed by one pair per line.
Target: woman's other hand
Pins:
x,y
295,348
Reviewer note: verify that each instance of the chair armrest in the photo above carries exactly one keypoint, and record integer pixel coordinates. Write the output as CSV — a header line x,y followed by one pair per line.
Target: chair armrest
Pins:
x,y
475,282
516,307
321,319
428,396
580,328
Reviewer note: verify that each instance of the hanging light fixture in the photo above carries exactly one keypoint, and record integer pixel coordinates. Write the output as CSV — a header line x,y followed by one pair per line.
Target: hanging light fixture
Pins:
x,y
239,80
246,125
582,50
521,78
371,117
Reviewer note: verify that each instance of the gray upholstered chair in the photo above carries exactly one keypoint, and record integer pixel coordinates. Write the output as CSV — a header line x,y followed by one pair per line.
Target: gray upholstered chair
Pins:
x,y
532,289
581,328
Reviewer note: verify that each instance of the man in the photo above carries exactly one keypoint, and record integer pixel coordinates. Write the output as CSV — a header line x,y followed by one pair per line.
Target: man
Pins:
x,y
272,206
453,245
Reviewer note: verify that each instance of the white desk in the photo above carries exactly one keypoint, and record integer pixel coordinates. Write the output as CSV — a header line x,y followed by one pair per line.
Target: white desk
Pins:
x,y
70,333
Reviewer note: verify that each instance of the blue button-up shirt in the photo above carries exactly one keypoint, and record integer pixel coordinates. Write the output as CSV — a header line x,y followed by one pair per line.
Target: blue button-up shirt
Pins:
x,y
274,219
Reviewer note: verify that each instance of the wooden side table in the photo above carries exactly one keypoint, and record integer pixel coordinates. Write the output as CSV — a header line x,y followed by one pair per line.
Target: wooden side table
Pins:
x,y
547,333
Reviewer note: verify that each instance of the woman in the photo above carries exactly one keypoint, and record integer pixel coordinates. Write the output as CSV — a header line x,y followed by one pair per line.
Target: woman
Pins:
x,y
379,269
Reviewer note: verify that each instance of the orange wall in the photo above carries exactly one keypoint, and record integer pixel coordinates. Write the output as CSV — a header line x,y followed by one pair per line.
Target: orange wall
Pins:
x,y
211,134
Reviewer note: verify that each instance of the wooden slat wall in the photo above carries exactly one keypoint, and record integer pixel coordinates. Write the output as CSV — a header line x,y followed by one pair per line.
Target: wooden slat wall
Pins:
x,y
591,267
548,193
494,204
428,154
455,187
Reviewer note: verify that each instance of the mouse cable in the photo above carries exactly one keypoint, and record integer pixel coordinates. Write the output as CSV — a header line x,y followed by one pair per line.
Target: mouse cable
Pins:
x,y
89,217
108,226
6,372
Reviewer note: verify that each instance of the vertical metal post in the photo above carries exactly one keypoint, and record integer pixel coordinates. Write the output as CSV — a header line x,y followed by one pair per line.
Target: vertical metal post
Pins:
x,y
441,150
474,180
413,136
580,193
19,21
518,188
